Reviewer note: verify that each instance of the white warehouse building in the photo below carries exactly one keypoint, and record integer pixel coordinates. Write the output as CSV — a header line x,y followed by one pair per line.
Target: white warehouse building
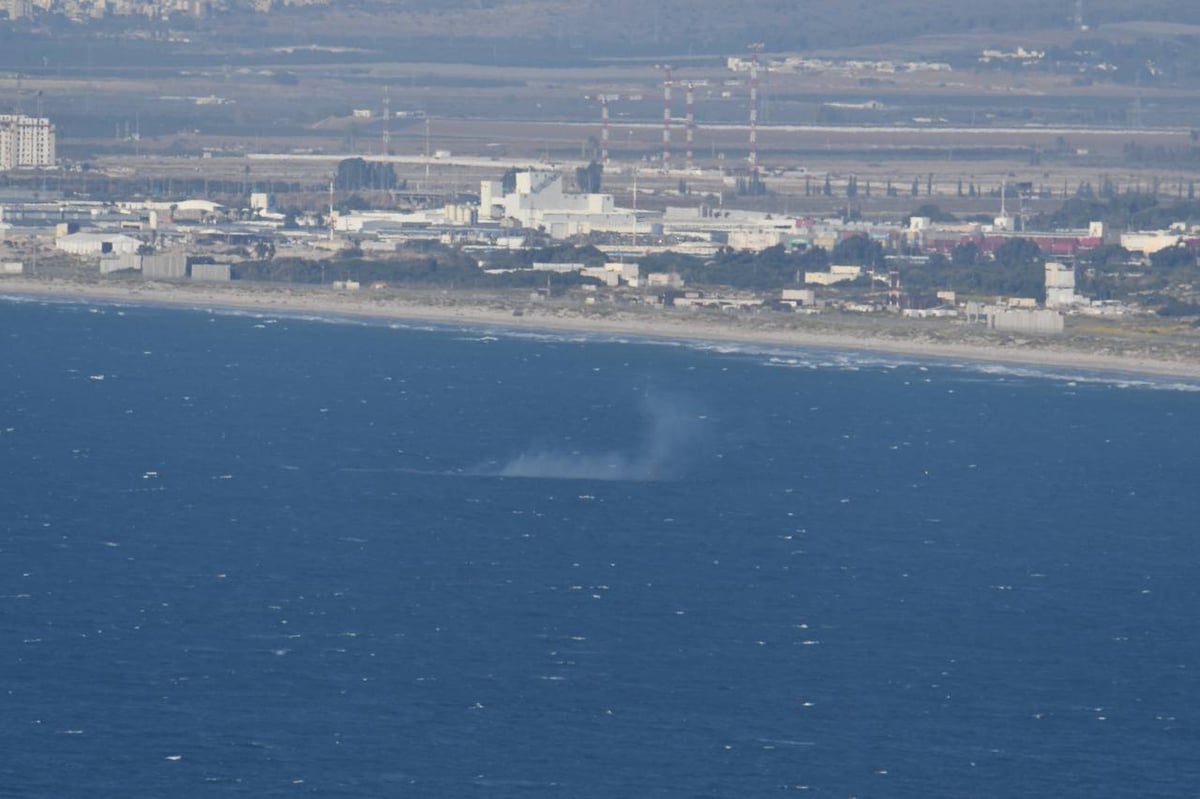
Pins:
x,y
97,244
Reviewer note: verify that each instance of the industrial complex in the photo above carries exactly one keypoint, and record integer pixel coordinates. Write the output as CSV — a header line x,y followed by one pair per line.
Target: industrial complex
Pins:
x,y
634,211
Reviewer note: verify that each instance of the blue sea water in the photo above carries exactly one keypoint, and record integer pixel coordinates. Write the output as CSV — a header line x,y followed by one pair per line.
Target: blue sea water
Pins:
x,y
256,556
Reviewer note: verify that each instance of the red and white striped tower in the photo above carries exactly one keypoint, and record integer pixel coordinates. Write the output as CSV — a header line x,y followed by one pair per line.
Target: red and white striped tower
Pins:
x,y
755,49
604,129
690,131
666,116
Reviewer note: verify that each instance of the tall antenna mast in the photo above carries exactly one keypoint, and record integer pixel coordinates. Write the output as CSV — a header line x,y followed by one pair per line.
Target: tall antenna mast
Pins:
x,y
634,243
331,209
604,129
690,130
666,157
387,121
755,50
426,186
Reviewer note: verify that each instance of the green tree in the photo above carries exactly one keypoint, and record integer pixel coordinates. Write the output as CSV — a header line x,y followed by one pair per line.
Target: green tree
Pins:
x,y
1018,269
1173,257
356,173
858,249
1016,253
965,254
934,213
508,181
752,186
1106,258
587,178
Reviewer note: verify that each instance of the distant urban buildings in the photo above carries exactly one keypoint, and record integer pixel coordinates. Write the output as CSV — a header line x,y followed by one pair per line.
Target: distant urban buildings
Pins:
x,y
26,142
80,10
17,9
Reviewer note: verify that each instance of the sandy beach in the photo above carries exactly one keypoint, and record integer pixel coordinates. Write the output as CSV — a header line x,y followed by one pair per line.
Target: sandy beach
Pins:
x,y
925,339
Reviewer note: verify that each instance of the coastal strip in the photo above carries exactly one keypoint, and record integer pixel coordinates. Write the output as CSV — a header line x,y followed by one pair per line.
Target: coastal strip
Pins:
x,y
924,340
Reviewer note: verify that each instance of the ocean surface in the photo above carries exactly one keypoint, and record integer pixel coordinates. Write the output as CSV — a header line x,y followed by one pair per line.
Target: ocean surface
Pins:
x,y
263,556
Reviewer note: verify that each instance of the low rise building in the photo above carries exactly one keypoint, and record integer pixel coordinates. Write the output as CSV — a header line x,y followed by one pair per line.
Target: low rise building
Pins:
x,y
836,274
1148,243
165,266
123,262
211,273
97,243
798,297
1024,320
671,280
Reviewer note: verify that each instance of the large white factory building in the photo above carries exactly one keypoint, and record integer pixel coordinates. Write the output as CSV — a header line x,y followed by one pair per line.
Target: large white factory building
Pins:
x,y
26,142
540,202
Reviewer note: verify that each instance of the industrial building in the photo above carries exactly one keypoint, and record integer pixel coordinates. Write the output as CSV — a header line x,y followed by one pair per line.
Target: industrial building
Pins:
x,y
1060,285
539,202
211,273
97,244
26,142
124,262
1024,320
838,273
167,266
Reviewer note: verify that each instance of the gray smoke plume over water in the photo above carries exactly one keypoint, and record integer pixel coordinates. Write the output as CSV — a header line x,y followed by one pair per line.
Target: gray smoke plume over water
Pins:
x,y
664,453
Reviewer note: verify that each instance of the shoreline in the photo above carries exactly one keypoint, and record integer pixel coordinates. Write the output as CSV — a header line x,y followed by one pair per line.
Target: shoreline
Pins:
x,y
931,340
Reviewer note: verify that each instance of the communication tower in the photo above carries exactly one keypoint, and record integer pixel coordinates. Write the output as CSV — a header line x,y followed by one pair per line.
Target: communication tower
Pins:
x,y
690,130
666,157
387,122
331,220
755,51
604,129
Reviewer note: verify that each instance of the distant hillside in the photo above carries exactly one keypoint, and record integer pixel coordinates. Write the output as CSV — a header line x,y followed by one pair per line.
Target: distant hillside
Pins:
x,y
552,32
614,27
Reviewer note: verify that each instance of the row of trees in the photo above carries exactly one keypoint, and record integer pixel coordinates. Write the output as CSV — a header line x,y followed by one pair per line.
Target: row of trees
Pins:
x,y
1130,210
354,174
852,189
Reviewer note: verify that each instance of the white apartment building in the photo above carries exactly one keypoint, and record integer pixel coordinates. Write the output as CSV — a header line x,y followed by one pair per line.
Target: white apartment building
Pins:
x,y
26,142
